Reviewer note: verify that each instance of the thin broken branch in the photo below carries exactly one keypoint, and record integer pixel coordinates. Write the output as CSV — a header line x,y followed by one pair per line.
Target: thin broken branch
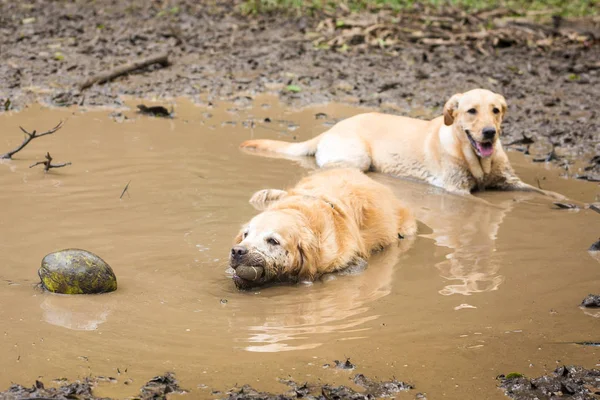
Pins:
x,y
525,140
552,156
28,138
48,163
125,190
162,59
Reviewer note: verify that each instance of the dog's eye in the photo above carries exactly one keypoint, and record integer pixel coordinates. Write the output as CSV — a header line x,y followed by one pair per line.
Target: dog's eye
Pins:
x,y
245,235
495,110
472,111
272,242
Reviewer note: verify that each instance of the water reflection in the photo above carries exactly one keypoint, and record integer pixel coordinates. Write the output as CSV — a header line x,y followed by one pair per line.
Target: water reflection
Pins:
x,y
80,313
470,230
467,226
338,305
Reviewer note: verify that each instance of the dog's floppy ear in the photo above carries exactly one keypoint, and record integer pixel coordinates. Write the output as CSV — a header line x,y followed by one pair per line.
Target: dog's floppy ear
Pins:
x,y
263,198
305,266
450,107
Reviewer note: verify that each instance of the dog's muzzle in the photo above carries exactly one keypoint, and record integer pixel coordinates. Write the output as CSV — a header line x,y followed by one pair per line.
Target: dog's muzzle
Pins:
x,y
249,267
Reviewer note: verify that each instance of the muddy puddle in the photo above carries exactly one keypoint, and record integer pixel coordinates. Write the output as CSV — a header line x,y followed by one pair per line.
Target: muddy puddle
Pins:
x,y
484,290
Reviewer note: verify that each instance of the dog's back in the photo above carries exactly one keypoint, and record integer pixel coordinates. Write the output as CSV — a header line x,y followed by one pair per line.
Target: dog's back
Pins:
x,y
378,214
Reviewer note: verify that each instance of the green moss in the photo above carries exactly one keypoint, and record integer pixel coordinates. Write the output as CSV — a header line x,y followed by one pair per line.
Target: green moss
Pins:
x,y
293,88
514,375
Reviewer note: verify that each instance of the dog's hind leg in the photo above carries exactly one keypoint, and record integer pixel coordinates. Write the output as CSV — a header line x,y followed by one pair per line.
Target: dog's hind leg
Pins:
x,y
336,151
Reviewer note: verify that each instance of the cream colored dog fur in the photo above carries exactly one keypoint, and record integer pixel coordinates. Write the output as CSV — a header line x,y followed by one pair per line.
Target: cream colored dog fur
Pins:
x,y
329,221
459,151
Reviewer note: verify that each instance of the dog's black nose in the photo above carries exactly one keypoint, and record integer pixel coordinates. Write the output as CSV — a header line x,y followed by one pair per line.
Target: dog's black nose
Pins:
x,y
238,251
489,133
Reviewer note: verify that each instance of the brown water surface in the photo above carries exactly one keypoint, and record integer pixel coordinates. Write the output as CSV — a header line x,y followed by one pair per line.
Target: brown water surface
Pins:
x,y
484,290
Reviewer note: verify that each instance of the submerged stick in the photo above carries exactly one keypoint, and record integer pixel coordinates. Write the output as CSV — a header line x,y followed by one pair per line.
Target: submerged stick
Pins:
x,y
48,163
30,136
102,77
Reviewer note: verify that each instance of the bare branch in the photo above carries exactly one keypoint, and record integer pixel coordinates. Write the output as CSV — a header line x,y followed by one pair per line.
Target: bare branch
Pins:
x,y
162,59
37,163
48,163
51,131
59,165
30,136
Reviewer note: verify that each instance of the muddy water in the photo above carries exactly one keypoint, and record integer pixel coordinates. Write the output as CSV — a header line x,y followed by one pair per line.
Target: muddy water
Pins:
x,y
484,290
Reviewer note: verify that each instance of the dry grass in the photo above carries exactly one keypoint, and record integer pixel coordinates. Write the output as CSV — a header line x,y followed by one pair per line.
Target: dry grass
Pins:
x,y
573,8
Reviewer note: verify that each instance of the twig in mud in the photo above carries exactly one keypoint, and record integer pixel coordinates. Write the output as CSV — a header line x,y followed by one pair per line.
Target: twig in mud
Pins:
x,y
565,206
552,156
29,138
162,59
48,163
125,191
156,111
39,398
538,182
524,140
587,178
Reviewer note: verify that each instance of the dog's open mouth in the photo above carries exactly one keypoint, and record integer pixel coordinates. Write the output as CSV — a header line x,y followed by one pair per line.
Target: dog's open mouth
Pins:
x,y
483,149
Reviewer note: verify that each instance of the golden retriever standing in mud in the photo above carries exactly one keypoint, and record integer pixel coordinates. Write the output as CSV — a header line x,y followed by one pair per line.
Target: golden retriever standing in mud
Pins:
x,y
459,151
330,221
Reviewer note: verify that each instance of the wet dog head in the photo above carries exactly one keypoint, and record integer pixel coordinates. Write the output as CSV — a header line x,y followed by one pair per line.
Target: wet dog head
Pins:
x,y
273,247
478,116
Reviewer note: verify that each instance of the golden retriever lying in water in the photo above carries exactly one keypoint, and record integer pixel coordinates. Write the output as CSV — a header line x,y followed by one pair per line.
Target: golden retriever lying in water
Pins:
x,y
459,151
329,221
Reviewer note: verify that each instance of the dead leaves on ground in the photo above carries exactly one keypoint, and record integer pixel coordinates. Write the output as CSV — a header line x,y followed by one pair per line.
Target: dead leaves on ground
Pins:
x,y
483,30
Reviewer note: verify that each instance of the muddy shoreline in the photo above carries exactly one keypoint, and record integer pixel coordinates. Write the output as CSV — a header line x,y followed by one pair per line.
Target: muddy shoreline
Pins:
x,y
551,80
161,386
573,382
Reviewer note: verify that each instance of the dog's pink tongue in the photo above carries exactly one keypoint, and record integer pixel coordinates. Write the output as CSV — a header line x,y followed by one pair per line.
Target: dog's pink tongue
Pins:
x,y
485,149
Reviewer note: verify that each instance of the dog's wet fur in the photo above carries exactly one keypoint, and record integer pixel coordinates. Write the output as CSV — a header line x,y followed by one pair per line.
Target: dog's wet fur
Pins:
x,y
329,221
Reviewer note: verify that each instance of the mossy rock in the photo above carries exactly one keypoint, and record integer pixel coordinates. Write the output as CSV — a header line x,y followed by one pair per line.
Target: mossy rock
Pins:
x,y
74,271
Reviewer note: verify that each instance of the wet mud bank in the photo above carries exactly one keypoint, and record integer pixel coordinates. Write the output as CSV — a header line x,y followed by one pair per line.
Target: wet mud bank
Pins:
x,y
566,382
156,388
408,64
161,386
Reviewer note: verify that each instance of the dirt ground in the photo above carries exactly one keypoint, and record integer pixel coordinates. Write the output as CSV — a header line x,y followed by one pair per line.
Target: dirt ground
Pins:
x,y
160,386
407,64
